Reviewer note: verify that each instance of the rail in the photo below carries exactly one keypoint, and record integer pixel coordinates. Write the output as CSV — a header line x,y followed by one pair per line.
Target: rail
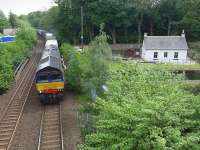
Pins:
x,y
51,133
11,116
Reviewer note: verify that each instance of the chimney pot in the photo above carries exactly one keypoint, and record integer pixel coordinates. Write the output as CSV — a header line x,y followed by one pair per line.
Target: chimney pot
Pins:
x,y
183,33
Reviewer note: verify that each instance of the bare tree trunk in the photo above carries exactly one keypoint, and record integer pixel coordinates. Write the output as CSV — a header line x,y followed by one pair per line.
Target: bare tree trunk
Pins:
x,y
140,20
126,34
74,40
151,27
139,32
113,32
169,27
91,33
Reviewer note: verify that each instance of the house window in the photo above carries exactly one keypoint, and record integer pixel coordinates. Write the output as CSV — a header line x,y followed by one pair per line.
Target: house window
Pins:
x,y
176,55
165,54
155,56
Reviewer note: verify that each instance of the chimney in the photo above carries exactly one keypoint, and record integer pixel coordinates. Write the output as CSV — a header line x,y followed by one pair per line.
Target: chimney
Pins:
x,y
183,33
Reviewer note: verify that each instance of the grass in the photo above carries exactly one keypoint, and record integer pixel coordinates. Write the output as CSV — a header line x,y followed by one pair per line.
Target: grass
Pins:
x,y
167,66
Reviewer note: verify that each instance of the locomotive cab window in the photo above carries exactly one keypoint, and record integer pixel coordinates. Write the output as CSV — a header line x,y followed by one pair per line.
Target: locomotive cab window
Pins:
x,y
42,78
56,77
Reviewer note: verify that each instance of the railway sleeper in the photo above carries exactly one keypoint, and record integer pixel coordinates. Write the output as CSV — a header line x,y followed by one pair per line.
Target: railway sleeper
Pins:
x,y
12,115
3,148
6,130
51,124
5,133
7,125
13,112
51,132
48,147
51,116
8,121
51,137
50,121
51,128
4,138
4,144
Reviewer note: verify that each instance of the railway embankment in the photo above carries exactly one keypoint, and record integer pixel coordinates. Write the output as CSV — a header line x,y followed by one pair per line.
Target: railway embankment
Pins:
x,y
12,54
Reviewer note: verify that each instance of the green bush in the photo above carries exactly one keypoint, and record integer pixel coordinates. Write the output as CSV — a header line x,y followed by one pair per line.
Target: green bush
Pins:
x,y
11,54
74,69
145,109
87,70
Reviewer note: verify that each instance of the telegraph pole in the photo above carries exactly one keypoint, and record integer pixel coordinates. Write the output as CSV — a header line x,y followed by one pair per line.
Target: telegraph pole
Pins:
x,y
82,38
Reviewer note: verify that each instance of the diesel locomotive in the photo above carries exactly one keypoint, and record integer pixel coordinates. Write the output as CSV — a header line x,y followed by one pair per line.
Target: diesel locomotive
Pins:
x,y
50,73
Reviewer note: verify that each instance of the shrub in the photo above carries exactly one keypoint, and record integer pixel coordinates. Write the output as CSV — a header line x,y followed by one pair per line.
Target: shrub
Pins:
x,y
12,54
87,70
145,109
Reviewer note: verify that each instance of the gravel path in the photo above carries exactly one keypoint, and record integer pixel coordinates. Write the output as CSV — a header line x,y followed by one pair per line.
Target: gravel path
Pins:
x,y
71,132
26,137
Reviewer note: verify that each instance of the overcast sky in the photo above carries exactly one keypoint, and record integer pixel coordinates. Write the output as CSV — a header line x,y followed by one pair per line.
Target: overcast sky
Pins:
x,y
24,6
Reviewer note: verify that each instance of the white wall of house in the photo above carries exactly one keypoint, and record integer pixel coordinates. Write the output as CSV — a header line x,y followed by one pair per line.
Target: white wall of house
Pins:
x,y
148,55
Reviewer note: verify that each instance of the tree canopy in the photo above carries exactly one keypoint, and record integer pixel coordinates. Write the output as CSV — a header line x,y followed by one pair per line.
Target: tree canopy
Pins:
x,y
125,20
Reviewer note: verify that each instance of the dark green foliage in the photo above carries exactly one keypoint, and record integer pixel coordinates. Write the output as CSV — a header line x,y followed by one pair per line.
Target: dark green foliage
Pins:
x,y
125,20
73,73
12,20
87,70
12,54
194,51
145,109
193,88
3,21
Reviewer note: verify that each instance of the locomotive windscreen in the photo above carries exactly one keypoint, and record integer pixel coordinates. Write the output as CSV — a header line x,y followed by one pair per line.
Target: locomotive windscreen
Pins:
x,y
56,78
42,79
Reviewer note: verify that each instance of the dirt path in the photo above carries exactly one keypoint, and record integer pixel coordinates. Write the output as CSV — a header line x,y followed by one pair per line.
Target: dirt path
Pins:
x,y
71,131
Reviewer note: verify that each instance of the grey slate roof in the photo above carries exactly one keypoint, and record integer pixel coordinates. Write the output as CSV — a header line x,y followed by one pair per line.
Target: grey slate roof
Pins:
x,y
165,43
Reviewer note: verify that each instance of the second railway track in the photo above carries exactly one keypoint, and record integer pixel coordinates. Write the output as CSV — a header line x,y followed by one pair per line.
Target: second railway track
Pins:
x,y
51,137
12,114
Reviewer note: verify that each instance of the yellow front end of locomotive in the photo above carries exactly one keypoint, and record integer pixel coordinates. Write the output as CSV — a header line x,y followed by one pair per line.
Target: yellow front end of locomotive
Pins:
x,y
46,87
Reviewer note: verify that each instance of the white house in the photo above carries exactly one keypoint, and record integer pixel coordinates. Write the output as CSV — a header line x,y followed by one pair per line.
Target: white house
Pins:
x,y
165,49
10,31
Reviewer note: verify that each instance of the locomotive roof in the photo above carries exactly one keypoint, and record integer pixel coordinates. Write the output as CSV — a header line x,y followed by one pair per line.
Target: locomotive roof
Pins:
x,y
51,52
51,59
51,43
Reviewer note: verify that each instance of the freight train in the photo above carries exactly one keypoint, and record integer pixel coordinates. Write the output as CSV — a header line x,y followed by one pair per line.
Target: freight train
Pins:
x,y
50,74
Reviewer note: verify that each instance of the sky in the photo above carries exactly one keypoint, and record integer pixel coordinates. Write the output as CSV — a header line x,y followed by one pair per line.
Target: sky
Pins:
x,y
24,6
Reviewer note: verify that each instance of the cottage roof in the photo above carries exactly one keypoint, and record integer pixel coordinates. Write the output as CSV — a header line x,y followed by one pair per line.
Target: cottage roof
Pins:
x,y
165,43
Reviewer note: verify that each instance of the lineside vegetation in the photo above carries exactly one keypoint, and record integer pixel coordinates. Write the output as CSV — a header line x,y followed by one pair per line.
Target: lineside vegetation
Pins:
x,y
11,54
145,107
87,71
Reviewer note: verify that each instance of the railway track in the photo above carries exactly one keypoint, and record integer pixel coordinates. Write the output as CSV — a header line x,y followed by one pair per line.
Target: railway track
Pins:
x,y
51,137
13,112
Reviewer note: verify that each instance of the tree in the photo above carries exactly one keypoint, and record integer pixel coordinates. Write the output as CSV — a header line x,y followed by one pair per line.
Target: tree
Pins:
x,y
99,55
3,21
12,20
125,20
35,18
146,108
191,20
113,13
140,8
